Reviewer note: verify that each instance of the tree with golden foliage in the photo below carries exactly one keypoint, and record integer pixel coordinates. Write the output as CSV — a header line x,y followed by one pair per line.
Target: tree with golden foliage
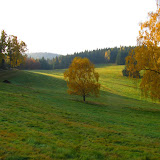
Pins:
x,y
11,51
16,50
108,55
146,56
81,77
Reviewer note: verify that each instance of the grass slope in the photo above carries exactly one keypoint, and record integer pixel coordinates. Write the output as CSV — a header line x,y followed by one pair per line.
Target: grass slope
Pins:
x,y
39,120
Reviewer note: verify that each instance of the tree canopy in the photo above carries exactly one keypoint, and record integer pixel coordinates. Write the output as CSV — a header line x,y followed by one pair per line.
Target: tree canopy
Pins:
x,y
146,56
11,51
81,77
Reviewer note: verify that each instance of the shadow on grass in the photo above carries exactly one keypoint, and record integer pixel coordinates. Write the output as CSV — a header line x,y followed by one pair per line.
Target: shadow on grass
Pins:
x,y
145,110
33,80
96,104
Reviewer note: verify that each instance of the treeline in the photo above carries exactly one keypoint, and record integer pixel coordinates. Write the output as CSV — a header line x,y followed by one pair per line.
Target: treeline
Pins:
x,y
107,55
99,56
11,56
32,64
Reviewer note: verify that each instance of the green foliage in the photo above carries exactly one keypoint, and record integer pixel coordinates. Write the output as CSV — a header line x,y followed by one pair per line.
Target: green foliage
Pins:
x,y
11,51
122,54
32,64
3,46
44,64
98,56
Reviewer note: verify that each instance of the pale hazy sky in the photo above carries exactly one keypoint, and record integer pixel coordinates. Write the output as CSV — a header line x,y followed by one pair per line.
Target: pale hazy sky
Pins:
x,y
68,26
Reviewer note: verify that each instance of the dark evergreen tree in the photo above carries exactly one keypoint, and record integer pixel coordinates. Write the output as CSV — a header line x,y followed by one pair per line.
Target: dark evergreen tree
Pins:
x,y
44,64
56,63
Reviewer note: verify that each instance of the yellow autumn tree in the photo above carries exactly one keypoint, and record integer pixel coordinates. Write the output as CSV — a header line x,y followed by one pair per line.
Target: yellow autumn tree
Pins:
x,y
107,55
146,56
82,79
16,51
11,51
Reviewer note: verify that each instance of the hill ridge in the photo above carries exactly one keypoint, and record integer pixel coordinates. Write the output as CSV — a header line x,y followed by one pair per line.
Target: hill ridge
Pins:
x,y
40,55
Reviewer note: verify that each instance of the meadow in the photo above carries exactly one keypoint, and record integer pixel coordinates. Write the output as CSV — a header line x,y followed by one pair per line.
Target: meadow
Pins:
x,y
40,121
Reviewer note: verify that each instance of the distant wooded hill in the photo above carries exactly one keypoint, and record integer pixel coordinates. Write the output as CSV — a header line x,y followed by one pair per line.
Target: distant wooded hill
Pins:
x,y
106,55
40,55
56,61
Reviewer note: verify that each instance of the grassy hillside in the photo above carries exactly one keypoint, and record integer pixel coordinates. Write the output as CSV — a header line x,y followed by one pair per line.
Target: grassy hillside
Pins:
x,y
39,120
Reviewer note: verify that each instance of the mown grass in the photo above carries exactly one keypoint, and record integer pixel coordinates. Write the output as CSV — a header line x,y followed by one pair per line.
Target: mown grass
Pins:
x,y
39,120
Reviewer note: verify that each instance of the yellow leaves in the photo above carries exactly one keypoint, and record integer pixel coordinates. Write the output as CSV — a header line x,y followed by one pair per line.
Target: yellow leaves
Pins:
x,y
158,61
150,84
12,50
81,78
146,56
150,29
107,55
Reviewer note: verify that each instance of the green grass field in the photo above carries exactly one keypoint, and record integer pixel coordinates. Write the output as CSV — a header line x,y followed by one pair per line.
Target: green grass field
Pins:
x,y
40,121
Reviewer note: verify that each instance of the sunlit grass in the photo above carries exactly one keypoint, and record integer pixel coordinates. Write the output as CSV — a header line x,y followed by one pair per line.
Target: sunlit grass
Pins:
x,y
111,79
39,120
50,73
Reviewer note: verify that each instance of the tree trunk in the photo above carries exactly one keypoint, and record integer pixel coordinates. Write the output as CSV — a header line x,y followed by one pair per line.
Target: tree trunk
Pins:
x,y
84,98
3,63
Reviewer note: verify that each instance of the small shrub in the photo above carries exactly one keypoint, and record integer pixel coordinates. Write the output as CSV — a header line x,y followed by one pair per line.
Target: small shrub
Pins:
x,y
126,73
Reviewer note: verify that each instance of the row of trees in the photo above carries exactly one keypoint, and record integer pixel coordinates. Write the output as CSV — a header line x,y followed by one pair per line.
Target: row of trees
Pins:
x,y
11,51
12,55
32,64
99,56
106,55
